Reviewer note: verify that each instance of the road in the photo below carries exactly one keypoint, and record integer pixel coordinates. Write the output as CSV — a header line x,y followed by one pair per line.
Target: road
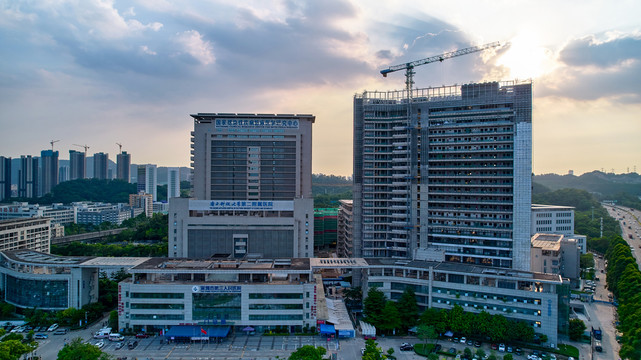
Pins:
x,y
630,227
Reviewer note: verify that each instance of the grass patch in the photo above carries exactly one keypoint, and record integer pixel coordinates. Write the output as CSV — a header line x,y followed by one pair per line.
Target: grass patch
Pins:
x,y
568,350
426,349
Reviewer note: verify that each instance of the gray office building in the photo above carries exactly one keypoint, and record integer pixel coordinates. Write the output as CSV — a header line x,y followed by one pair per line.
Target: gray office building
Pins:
x,y
49,159
5,178
252,188
123,164
100,161
77,165
447,178
28,177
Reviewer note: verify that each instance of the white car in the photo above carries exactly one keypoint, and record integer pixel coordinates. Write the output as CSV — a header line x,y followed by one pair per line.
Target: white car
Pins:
x,y
53,327
463,340
100,344
502,347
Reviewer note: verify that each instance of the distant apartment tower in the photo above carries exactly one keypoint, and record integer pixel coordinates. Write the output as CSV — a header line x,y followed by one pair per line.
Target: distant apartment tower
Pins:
x,y
100,165
28,177
63,174
147,179
49,161
123,164
144,201
173,182
447,179
77,165
252,188
5,178
344,246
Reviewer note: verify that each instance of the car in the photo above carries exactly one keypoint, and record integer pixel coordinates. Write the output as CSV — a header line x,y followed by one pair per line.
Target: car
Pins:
x,y
463,340
470,342
455,339
362,351
535,352
407,347
142,336
494,347
552,357
452,350
502,347
99,344
28,328
40,336
477,343
509,349
518,351
369,337
60,332
132,344
120,345
53,327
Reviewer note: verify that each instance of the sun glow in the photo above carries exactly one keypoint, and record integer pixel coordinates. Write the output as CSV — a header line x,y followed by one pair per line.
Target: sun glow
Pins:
x,y
525,58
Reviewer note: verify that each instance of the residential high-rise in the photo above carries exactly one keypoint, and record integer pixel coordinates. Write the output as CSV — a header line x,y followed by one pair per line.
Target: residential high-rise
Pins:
x,y
143,201
5,178
123,163
49,161
450,181
77,165
173,182
100,161
63,174
252,188
28,177
148,180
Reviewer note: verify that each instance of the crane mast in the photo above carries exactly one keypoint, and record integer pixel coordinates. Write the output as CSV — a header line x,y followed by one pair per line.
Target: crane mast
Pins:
x,y
53,142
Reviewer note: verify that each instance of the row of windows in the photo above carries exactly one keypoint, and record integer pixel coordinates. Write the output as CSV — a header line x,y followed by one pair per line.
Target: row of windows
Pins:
x,y
275,306
158,306
276,317
157,317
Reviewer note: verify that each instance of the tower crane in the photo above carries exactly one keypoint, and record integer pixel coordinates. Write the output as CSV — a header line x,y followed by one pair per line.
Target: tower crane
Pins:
x,y
53,142
120,148
83,146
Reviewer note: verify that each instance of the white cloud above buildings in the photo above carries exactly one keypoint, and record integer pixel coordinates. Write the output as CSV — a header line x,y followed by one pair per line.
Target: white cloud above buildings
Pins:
x,y
100,71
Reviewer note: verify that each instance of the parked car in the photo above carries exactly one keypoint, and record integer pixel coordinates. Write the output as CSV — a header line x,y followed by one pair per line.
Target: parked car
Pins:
x,y
463,340
53,327
509,349
495,347
132,344
518,351
60,332
406,347
142,335
119,345
470,342
477,343
40,336
502,347
100,344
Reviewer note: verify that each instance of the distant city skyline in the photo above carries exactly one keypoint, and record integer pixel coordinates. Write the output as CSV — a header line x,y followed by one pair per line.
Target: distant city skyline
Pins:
x,y
102,73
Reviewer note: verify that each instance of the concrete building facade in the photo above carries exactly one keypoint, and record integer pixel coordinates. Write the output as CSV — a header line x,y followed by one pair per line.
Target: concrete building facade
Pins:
x,y
32,234
552,219
122,166
173,182
344,245
144,201
555,254
100,165
447,178
5,178
148,179
49,175
28,177
77,165
252,188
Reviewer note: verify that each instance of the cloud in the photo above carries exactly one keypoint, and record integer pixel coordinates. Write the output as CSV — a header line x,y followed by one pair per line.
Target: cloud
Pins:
x,y
145,49
192,43
592,69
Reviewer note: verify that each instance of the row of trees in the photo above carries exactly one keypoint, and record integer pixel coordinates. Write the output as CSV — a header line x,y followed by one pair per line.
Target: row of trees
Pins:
x,y
624,280
13,346
388,316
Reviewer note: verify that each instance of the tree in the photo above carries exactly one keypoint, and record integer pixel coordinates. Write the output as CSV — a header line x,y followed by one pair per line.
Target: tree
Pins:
x,y
508,357
426,332
373,306
353,297
14,349
577,327
587,260
390,319
372,351
468,352
480,353
455,316
408,308
78,350
308,352
113,319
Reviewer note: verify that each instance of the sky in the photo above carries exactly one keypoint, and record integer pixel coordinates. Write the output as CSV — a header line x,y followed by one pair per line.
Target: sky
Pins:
x,y
101,72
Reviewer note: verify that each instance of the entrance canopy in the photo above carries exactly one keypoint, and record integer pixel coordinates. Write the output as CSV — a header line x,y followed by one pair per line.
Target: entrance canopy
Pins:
x,y
326,329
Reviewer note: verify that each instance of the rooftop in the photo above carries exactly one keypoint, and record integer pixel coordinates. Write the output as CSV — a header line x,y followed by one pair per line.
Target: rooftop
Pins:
x,y
551,207
39,258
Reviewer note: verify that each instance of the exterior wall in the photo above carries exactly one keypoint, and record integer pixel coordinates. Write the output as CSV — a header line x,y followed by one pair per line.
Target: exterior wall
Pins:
x,y
28,179
77,165
570,259
529,300
148,179
455,176
58,213
196,232
100,161
552,219
123,165
173,182
49,167
33,234
5,178
144,201
345,237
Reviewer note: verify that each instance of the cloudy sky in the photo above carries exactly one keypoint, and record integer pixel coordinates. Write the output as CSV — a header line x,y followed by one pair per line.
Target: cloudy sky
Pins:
x,y
101,72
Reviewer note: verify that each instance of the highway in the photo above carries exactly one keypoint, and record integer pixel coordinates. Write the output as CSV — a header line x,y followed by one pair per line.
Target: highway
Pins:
x,y
630,227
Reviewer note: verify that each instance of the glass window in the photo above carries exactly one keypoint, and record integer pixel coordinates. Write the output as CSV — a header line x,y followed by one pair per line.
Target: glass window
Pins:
x,y
208,306
37,293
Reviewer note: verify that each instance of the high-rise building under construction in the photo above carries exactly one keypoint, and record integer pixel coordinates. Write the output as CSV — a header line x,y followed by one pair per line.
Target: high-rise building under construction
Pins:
x,y
447,178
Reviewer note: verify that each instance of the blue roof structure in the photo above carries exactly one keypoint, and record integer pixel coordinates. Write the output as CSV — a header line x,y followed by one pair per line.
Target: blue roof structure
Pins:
x,y
198,331
327,329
